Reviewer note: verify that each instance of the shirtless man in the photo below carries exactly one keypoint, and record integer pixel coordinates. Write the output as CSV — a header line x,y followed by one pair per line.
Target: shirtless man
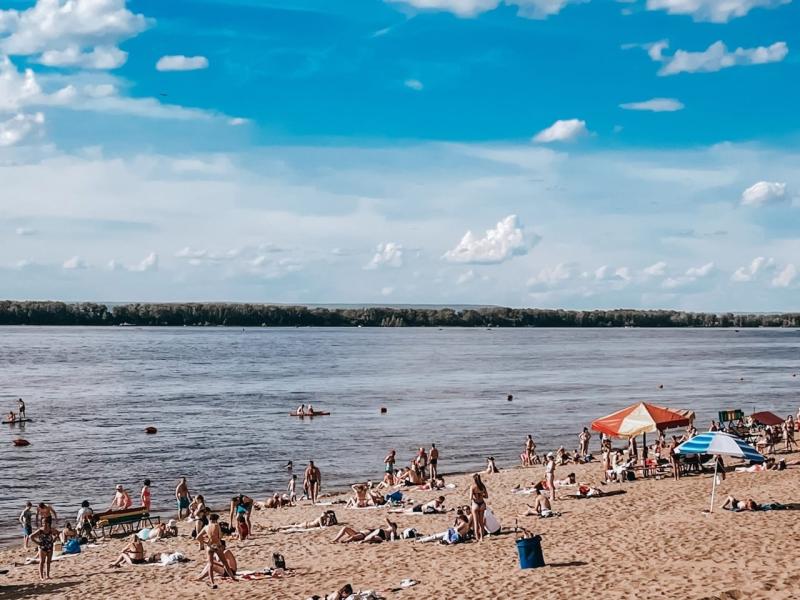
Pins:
x,y
182,498
21,409
530,450
43,512
433,461
541,506
421,460
211,536
217,567
313,480
121,499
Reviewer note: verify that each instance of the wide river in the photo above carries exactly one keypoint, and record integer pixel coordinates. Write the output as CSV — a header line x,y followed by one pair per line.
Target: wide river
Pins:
x,y
220,399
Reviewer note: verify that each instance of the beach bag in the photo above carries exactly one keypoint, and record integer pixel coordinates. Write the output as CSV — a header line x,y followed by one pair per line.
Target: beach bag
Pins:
x,y
278,561
409,533
492,523
72,546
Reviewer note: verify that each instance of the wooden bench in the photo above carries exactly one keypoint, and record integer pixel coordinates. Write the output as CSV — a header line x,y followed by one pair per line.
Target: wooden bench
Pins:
x,y
129,520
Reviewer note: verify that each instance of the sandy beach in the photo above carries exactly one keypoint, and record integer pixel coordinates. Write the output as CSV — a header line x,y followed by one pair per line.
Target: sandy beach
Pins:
x,y
653,541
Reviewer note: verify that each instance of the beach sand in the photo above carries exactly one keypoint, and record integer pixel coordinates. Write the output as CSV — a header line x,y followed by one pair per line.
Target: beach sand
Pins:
x,y
654,541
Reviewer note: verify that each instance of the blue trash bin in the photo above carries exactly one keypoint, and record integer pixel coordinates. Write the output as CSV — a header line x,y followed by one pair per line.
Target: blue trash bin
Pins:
x,y
530,552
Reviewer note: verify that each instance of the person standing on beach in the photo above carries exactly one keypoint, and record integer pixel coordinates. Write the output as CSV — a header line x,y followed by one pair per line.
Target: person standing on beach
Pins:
x,y
291,491
433,461
21,409
583,442
606,460
182,498
43,512
633,450
421,461
45,537
478,497
530,450
312,479
389,463
121,500
550,475
211,536
25,519
673,458
144,495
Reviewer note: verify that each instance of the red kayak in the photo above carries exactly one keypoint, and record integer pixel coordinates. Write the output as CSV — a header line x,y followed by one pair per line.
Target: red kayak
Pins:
x,y
314,414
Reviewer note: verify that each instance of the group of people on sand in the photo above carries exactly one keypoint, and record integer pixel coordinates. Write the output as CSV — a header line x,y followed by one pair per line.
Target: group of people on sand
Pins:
x,y
422,469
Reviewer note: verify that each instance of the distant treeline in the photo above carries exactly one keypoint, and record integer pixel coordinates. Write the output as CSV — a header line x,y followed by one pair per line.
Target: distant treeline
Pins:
x,y
265,315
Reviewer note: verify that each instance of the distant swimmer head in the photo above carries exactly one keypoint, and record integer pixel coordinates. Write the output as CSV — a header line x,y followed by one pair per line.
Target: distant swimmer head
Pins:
x,y
120,487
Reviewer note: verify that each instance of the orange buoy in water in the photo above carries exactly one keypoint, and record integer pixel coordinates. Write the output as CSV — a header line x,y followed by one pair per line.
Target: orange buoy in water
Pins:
x,y
383,410
150,430
21,442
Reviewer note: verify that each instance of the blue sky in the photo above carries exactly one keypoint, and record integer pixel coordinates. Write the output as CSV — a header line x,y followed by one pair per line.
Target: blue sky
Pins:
x,y
564,153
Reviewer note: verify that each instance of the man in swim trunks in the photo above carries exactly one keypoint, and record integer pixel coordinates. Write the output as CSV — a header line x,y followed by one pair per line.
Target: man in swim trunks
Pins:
x,y
44,512
21,404
313,481
433,461
182,498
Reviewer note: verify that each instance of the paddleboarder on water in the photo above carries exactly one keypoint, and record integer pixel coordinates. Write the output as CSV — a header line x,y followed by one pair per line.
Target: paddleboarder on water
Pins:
x,y
21,410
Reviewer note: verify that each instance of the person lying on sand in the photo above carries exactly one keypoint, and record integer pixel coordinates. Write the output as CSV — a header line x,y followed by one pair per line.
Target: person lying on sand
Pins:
x,y
735,505
133,553
433,507
347,534
326,519
219,568
569,481
153,534
458,532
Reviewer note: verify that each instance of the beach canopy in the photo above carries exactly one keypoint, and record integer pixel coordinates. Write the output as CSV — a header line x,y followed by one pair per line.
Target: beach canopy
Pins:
x,y
720,444
766,418
642,418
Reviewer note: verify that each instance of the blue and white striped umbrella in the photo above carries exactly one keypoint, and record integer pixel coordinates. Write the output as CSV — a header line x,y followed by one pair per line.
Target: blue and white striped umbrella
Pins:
x,y
718,442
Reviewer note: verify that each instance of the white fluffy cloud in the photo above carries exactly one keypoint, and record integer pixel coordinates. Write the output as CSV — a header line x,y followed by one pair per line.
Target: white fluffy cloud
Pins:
x,y
656,269
551,276
785,278
529,9
764,192
389,254
506,240
19,127
717,57
179,62
692,275
16,89
655,105
414,84
101,57
71,32
148,263
749,272
715,11
76,262
567,130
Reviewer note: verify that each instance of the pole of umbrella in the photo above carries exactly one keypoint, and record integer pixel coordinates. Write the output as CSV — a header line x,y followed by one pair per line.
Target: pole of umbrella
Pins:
x,y
714,484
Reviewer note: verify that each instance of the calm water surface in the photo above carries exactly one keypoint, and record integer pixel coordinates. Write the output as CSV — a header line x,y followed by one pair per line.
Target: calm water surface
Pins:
x,y
220,399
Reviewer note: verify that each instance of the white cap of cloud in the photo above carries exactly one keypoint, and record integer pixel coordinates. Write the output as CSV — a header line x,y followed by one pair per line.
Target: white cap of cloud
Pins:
x,y
76,262
567,130
698,272
717,57
764,192
18,127
58,24
389,254
387,291
785,277
655,105
692,275
715,11
149,263
179,62
500,244
550,276
16,89
101,57
656,269
749,272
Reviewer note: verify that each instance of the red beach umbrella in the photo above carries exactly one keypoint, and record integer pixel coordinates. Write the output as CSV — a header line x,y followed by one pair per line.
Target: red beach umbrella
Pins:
x,y
642,418
766,418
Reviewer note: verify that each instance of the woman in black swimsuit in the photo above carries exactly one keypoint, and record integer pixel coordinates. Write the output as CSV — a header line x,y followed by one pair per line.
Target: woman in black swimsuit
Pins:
x,y
45,537
478,495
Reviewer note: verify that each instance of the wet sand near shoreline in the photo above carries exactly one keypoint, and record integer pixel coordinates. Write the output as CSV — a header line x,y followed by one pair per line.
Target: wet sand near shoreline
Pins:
x,y
653,541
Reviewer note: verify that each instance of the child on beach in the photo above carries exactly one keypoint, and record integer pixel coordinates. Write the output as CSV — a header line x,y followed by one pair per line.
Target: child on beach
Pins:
x,y
25,519
144,495
291,490
242,530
